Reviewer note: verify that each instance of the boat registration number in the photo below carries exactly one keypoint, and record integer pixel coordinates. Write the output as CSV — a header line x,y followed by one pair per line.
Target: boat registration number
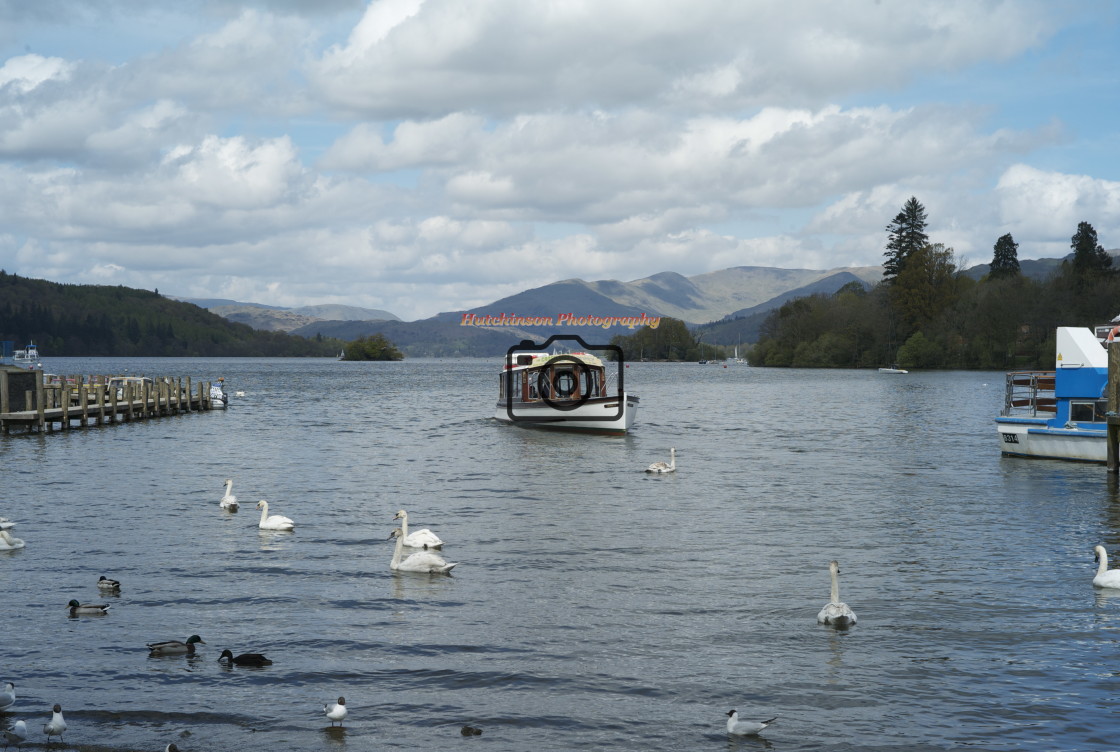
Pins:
x,y
1010,438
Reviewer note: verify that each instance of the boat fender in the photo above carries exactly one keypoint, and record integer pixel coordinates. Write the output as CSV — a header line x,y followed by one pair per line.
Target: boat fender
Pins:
x,y
1112,334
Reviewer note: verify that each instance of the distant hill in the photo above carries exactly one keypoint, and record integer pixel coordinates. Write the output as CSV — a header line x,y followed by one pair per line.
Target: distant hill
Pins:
x,y
280,319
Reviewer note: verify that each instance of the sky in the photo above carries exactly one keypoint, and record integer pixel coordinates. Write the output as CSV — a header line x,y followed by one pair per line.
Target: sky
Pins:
x,y
420,156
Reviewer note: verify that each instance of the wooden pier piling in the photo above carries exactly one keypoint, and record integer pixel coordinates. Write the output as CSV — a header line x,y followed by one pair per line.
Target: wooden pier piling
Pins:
x,y
27,400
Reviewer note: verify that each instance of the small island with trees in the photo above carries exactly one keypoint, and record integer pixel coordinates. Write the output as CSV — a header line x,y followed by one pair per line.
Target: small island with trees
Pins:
x,y
373,347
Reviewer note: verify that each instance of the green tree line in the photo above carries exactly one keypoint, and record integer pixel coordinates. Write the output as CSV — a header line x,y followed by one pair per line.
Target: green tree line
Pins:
x,y
671,340
100,320
926,314
373,347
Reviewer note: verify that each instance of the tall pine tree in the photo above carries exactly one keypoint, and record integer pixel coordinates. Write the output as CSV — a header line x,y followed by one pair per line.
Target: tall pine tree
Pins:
x,y
907,235
1005,261
1089,257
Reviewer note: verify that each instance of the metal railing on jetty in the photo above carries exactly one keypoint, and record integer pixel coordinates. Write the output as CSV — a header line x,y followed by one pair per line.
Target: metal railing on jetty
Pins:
x,y
29,399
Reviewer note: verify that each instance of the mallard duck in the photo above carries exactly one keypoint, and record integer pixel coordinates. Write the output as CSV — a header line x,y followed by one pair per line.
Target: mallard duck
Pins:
x,y
745,728
104,583
336,711
423,538
87,608
56,725
245,659
174,647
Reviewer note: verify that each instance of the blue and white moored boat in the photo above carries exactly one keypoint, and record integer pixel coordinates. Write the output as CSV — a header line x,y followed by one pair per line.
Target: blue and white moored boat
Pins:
x,y
1059,414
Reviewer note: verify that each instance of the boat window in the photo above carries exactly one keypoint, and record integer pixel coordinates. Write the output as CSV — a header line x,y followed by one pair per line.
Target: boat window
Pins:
x,y
502,386
565,384
1088,411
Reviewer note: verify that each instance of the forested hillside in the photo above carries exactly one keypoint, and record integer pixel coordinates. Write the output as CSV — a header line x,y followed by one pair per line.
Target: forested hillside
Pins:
x,y
96,320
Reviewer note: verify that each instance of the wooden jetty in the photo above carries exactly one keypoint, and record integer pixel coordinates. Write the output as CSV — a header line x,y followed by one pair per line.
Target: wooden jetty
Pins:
x,y
28,399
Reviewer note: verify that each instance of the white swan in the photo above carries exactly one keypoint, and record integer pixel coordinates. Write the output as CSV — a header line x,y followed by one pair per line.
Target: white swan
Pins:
x,y
6,524
665,467
745,728
421,561
229,501
8,696
8,543
1109,578
276,521
56,725
336,711
836,612
423,538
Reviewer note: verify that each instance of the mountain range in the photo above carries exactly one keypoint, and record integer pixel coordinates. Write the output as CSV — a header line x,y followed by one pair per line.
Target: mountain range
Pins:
x,y
726,307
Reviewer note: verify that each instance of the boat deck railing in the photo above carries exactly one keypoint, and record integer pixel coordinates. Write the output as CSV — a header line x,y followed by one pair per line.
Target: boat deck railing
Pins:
x,y
1029,393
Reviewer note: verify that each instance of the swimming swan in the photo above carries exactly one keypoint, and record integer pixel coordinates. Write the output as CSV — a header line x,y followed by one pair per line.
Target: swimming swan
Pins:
x,y
665,467
745,728
276,521
835,612
421,561
336,711
1109,578
423,538
229,501
56,725
8,543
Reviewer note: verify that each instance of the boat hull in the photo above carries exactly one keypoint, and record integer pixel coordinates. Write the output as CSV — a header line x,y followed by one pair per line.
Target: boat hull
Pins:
x,y
1032,437
588,417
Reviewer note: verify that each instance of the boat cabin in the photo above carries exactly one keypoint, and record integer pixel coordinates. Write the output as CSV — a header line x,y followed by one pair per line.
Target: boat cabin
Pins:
x,y
568,377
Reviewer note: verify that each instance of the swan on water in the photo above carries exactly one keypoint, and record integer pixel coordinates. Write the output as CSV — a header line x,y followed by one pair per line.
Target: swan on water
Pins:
x,y
111,586
6,524
1109,578
836,613
56,725
17,735
665,467
174,647
245,659
336,711
229,501
745,728
8,696
88,608
421,561
274,522
8,543
423,538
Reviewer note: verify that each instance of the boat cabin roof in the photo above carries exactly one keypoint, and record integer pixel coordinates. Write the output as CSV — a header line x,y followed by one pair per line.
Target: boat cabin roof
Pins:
x,y
522,361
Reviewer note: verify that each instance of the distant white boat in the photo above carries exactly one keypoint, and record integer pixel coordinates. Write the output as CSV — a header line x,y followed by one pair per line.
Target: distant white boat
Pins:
x,y
893,369
29,354
218,398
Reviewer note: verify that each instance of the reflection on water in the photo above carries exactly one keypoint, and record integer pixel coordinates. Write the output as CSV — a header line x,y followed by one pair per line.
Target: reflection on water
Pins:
x,y
595,606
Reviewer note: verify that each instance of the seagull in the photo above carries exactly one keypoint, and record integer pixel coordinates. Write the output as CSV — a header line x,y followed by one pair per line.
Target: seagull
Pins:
x,y
16,735
56,725
336,711
8,696
745,728
665,467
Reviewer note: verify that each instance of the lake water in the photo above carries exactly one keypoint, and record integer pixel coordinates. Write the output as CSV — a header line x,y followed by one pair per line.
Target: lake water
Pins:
x,y
594,607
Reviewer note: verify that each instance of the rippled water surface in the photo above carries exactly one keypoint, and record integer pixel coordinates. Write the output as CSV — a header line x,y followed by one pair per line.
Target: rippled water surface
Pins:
x,y
594,607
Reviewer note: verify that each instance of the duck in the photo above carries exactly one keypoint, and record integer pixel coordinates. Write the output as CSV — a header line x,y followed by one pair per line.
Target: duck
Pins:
x,y
665,467
88,608
423,538
174,647
228,501
245,659
56,725
8,543
6,524
470,731
836,613
421,561
1105,577
274,522
8,696
171,748
336,711
745,728
16,735
104,583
